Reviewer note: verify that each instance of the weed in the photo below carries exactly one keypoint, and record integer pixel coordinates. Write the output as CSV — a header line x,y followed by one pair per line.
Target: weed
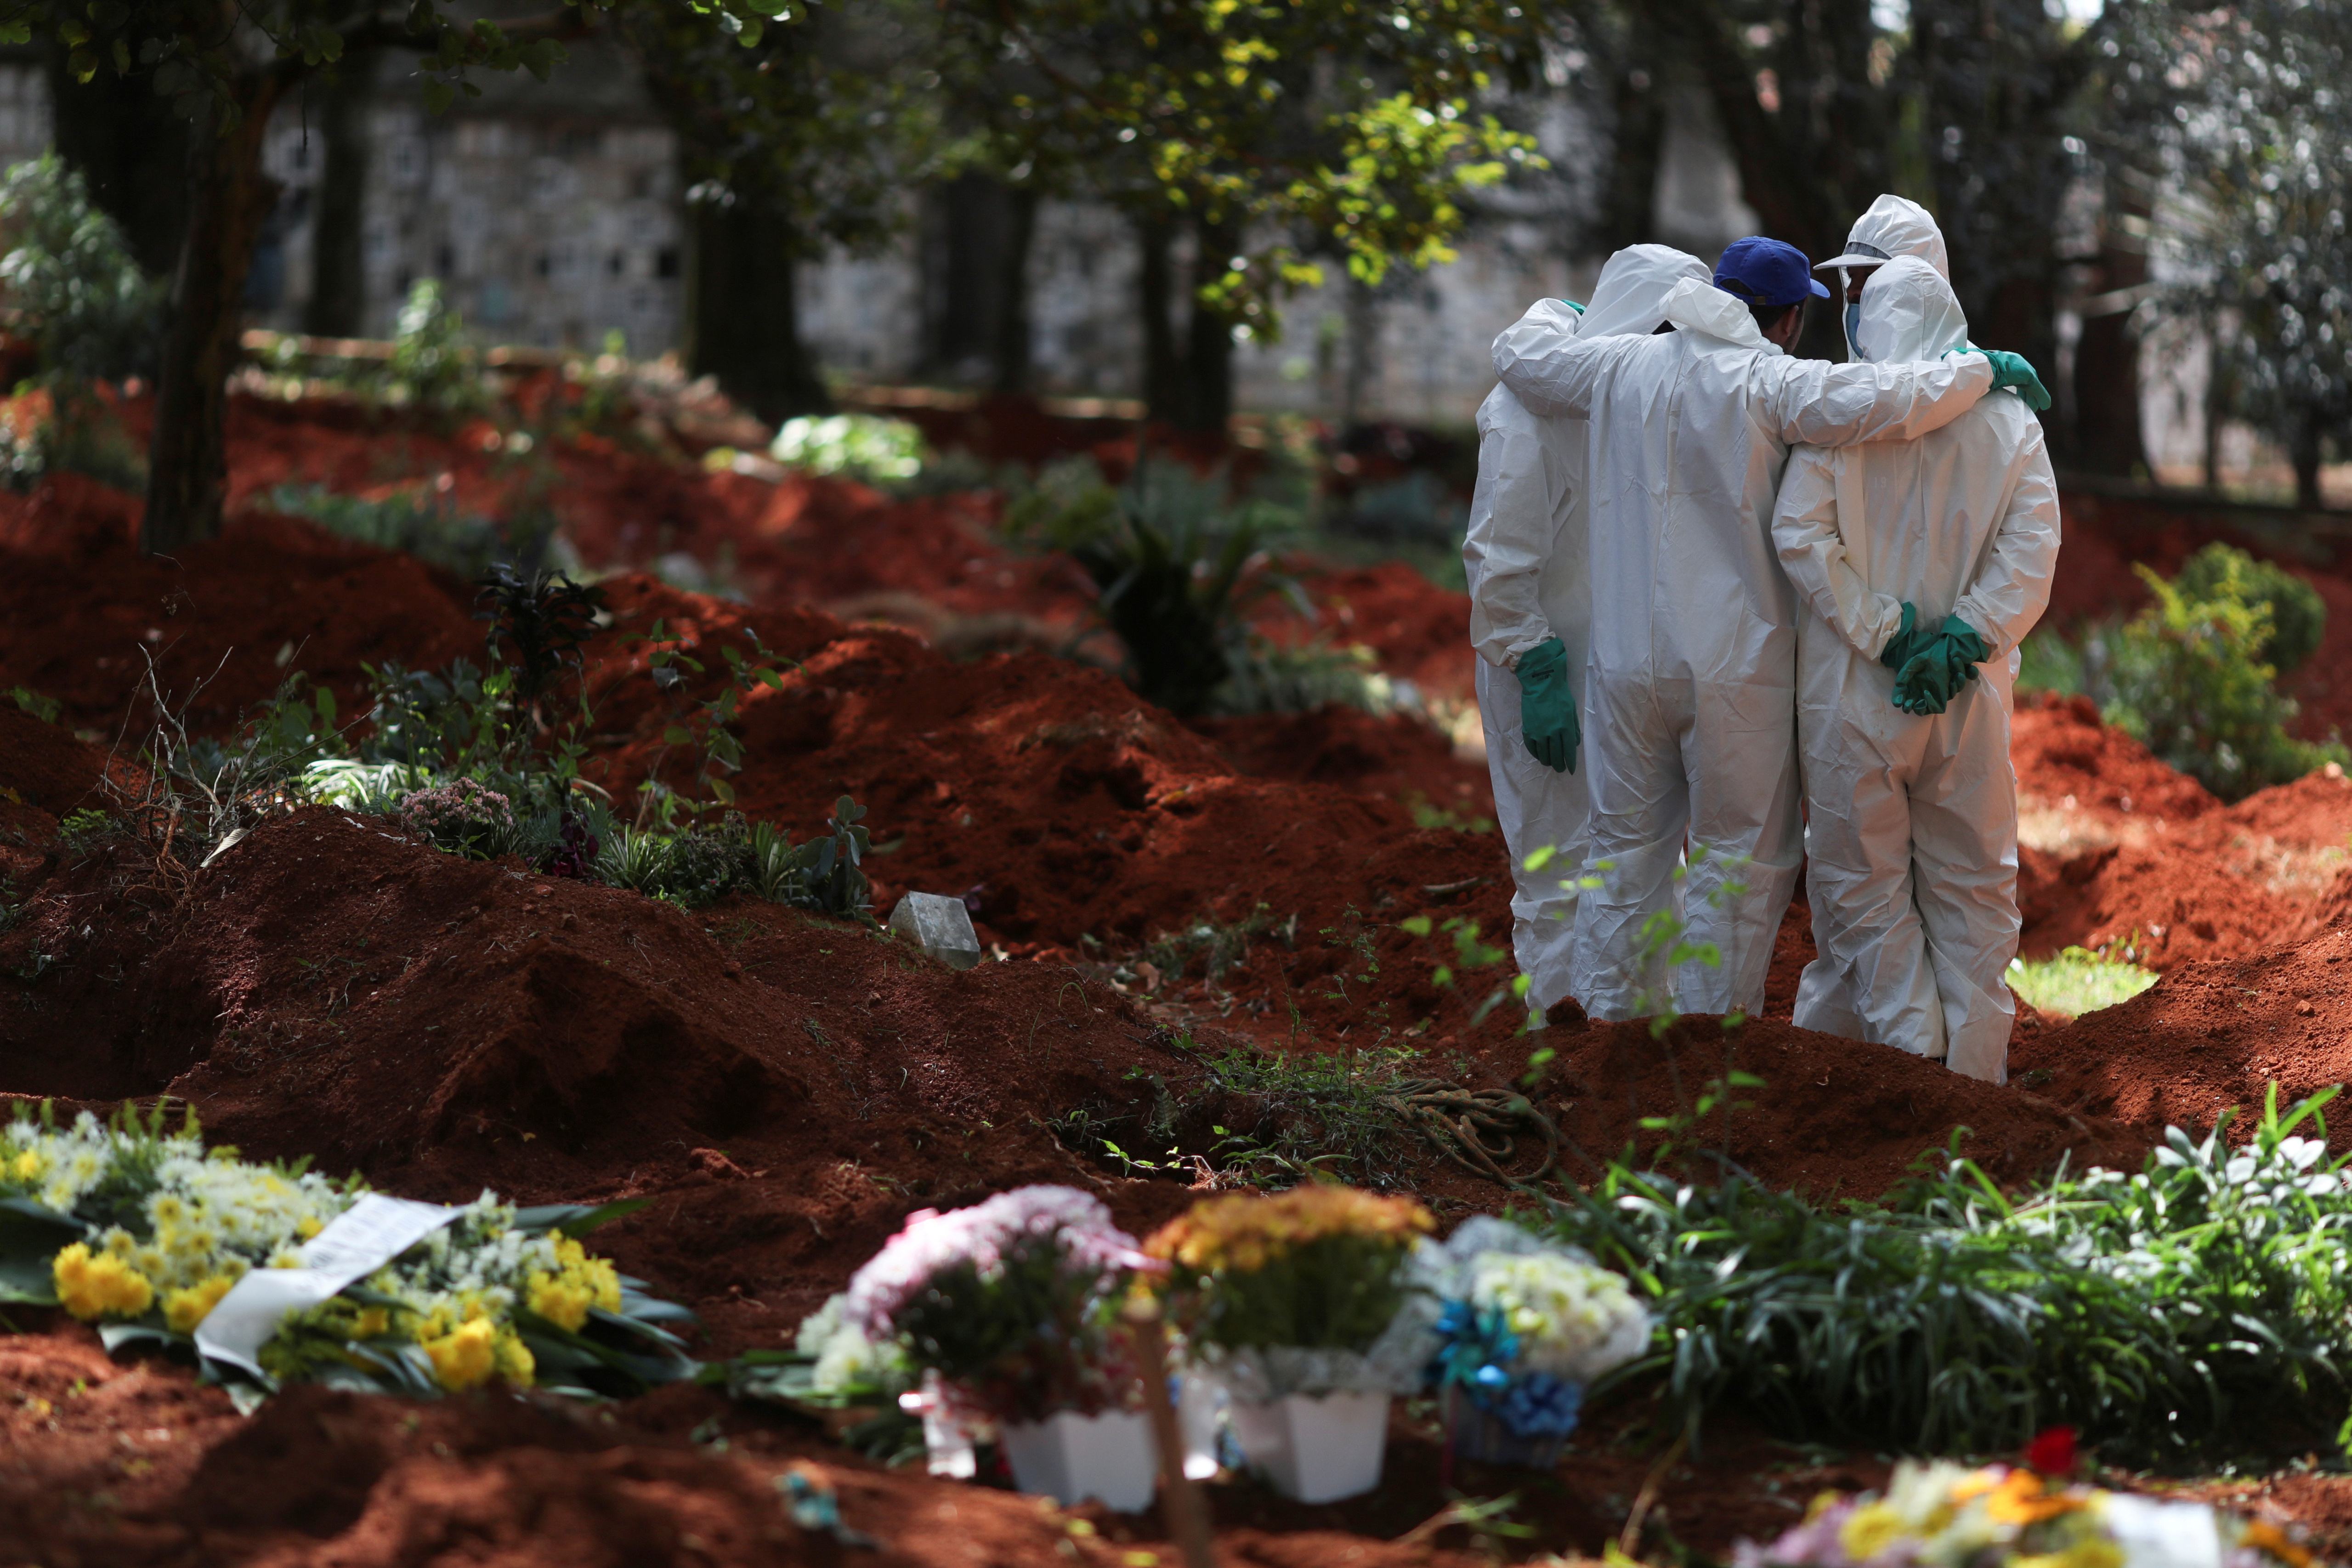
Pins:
x,y
2077,981
69,276
421,522
1427,815
1176,564
1217,947
704,728
2298,615
82,830
46,709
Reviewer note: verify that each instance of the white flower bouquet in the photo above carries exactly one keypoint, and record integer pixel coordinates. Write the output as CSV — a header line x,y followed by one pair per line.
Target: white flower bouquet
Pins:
x,y
144,1233
1525,1326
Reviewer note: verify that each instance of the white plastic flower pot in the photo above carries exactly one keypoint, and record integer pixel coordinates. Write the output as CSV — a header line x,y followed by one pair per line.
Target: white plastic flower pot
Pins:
x,y
1200,1411
1069,1457
1317,1448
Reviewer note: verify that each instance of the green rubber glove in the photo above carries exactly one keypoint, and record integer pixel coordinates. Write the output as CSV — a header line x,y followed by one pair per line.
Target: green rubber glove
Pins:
x,y
1546,708
1572,305
1932,678
1907,642
2011,371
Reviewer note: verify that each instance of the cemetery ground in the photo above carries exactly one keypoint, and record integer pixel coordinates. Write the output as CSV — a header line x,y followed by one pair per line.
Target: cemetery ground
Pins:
x,y
1164,907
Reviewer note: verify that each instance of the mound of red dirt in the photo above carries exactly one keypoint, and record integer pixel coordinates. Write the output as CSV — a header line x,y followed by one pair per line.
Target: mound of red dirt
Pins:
x,y
2118,849
1347,746
2210,1034
82,610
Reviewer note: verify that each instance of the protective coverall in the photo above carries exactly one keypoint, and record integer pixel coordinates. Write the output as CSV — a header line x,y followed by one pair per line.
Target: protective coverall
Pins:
x,y
1689,687
1524,555
1911,842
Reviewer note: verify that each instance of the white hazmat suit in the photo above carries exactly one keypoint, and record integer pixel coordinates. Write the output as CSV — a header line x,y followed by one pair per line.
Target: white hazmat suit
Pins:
x,y
1524,555
1689,687
1911,842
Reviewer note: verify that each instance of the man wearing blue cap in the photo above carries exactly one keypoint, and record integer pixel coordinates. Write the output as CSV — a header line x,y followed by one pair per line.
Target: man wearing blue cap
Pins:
x,y
1690,678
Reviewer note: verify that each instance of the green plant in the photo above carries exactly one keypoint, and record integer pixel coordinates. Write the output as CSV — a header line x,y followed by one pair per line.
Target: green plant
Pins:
x,y
46,709
825,875
431,366
1312,1115
69,278
1262,676
2190,684
857,446
705,726
2298,620
422,523
1175,563
2077,981
2199,1306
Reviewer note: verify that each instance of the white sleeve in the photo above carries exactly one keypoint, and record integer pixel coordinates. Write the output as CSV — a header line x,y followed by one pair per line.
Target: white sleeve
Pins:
x,y
1549,368
1515,517
1805,530
2013,588
1815,403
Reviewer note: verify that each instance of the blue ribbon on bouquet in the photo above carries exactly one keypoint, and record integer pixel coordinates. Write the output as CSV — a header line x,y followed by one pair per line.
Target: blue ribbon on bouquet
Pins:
x,y
1477,1350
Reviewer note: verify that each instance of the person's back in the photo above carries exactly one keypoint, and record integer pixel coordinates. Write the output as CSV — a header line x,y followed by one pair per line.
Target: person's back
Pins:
x,y
1911,841
1693,670
1524,555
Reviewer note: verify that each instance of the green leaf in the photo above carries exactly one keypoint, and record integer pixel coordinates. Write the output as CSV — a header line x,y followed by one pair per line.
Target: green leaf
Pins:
x,y
575,1220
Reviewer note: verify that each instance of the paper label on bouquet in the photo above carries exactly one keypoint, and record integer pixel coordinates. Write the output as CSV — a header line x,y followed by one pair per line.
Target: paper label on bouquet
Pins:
x,y
355,1243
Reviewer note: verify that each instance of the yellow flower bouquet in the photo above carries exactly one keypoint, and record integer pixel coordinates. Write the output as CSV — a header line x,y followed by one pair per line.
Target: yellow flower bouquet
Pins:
x,y
144,1233
1295,1304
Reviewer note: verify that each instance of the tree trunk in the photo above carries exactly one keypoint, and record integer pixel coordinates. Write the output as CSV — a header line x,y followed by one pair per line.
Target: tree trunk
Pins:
x,y
228,199
338,303
2304,453
975,257
742,307
1012,292
2107,436
1638,109
1209,337
1163,373
132,149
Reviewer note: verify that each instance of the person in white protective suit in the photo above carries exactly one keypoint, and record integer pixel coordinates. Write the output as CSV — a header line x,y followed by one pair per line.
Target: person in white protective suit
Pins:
x,y
1525,558
1893,225
1920,564
1690,681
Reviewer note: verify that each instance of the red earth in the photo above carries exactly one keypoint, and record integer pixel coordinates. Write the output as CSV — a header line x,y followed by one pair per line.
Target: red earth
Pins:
x,y
785,1089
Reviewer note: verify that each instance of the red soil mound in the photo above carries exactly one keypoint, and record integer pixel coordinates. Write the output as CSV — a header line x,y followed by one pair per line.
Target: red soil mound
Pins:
x,y
2210,1034
232,616
1349,748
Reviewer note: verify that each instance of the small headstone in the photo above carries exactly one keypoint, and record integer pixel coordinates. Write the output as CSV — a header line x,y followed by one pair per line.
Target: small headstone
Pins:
x,y
939,925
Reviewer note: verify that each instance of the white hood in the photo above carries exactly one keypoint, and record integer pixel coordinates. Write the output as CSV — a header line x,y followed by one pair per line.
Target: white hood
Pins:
x,y
1696,305
1896,226
1908,313
1630,295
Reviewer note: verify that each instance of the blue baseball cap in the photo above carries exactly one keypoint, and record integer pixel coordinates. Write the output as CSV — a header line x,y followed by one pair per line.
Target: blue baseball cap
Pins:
x,y
1773,271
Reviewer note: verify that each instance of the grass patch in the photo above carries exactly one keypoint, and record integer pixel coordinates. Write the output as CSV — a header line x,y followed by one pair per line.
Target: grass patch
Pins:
x,y
2077,981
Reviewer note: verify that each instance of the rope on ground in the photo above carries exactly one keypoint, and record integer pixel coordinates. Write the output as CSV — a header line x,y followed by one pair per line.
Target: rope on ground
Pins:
x,y
1479,1129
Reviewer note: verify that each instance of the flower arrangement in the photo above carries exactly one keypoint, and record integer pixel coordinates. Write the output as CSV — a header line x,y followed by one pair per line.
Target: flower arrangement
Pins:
x,y
1524,1328
145,1233
2031,1516
1298,1291
1012,1301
